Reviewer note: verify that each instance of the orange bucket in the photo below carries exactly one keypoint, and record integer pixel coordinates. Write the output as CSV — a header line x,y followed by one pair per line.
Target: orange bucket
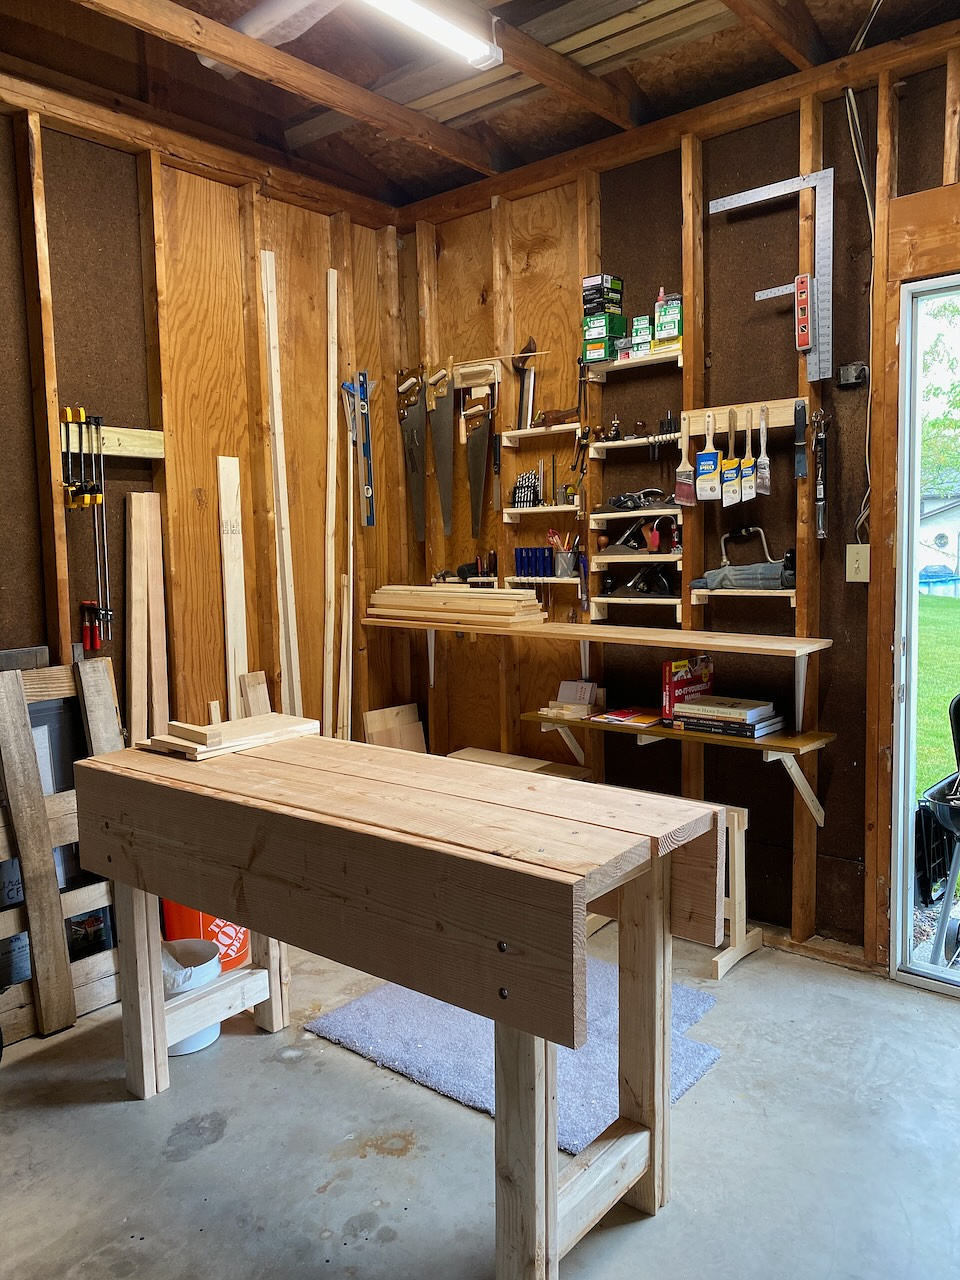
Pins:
x,y
186,922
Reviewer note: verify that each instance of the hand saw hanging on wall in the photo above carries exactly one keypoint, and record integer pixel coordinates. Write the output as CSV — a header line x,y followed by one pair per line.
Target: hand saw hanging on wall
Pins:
x,y
440,408
478,381
412,412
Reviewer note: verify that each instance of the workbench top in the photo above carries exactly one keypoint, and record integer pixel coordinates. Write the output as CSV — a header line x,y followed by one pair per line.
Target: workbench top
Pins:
x,y
461,880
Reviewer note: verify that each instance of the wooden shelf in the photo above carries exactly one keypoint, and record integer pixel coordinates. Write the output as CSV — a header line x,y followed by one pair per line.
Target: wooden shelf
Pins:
x,y
511,515
598,519
671,355
791,744
702,596
516,580
601,448
791,647
605,561
514,439
600,604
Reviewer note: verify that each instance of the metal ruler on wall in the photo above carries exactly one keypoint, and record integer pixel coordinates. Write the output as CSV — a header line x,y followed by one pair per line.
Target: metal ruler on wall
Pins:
x,y
820,355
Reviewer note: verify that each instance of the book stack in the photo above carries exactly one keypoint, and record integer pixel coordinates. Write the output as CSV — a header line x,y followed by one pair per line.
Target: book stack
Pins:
x,y
731,717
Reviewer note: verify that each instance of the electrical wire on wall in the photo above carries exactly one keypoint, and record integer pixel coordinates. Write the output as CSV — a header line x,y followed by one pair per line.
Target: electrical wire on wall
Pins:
x,y
862,523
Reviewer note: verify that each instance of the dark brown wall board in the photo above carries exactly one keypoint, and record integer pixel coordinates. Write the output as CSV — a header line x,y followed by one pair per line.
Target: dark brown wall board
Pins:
x,y
640,233
22,621
750,355
94,235
920,159
76,41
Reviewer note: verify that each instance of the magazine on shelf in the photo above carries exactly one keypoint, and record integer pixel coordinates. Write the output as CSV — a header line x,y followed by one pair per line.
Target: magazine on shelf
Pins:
x,y
645,717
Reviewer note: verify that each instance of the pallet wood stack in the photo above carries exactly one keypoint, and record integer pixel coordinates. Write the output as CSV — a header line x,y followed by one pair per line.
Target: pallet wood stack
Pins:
x,y
32,825
446,604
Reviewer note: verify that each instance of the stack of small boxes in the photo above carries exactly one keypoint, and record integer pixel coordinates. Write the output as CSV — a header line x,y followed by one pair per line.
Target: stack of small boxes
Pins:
x,y
664,331
603,319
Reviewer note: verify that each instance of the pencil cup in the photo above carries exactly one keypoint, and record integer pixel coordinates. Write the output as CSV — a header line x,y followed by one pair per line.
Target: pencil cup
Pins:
x,y
565,564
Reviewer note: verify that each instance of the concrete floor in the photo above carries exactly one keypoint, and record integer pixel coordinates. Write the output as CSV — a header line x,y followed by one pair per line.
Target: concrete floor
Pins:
x,y
825,1144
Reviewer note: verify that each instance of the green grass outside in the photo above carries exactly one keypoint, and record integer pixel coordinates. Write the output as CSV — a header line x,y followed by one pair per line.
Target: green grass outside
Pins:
x,y
938,681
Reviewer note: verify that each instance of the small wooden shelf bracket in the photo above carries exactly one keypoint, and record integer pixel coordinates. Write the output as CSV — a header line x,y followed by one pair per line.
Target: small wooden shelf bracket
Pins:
x,y
575,748
807,794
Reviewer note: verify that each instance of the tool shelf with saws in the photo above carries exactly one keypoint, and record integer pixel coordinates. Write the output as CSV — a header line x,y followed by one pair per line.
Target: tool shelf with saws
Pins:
x,y
532,472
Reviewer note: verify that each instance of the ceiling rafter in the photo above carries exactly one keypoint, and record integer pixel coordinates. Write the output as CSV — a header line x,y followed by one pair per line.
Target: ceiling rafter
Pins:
x,y
413,81
564,76
787,25
191,31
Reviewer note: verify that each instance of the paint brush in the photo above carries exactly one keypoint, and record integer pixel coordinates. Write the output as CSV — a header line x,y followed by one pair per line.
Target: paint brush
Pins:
x,y
683,487
748,468
708,467
763,462
730,467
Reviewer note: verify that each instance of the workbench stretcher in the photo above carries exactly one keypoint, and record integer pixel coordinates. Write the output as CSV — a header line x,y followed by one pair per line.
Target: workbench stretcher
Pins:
x,y
454,879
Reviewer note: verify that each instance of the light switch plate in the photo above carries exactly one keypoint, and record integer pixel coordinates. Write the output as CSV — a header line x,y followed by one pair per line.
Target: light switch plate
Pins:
x,y
858,562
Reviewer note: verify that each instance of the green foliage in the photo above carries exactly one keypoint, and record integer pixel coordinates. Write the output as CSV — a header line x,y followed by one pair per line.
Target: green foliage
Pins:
x,y
938,681
940,402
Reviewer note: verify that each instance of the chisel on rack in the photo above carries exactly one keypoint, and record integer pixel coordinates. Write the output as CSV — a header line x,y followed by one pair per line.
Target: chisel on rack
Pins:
x,y
800,440
820,472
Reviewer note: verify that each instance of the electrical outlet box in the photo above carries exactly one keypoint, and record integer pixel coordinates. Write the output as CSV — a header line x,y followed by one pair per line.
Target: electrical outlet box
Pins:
x,y
858,562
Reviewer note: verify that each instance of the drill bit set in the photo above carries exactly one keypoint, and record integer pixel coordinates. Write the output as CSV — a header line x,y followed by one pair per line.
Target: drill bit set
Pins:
x,y
84,485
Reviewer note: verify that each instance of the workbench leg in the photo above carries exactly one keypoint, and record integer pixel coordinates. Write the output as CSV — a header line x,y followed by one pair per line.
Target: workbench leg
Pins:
x,y
743,942
526,1156
645,977
272,1014
141,991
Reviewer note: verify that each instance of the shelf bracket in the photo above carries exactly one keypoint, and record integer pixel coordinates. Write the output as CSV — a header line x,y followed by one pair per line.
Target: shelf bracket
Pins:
x,y
799,688
799,780
645,739
431,653
584,659
575,748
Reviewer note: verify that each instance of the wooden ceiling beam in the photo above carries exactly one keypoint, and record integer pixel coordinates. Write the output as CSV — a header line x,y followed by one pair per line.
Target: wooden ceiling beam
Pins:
x,y
905,56
564,76
413,81
172,22
131,133
788,26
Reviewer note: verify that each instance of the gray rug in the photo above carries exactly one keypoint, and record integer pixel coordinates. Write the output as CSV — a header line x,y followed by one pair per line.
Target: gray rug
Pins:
x,y
451,1051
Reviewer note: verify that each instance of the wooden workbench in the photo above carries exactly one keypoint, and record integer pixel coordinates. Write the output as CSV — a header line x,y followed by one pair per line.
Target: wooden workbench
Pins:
x,y
458,880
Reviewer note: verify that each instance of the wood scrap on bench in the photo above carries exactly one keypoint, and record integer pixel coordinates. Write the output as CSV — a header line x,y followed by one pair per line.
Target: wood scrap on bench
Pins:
x,y
201,742
254,694
549,768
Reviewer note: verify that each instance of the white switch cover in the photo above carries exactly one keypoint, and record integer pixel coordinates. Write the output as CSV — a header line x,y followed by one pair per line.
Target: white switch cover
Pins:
x,y
858,562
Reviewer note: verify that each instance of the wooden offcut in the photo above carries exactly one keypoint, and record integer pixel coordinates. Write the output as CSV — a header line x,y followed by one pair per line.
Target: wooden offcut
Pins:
x,y
234,598
201,742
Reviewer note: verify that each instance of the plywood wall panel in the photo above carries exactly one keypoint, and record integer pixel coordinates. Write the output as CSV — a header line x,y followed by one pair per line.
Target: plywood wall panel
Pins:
x,y
300,241
22,618
206,415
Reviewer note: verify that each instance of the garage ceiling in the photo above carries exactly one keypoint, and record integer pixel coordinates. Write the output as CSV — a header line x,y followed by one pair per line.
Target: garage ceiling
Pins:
x,y
361,101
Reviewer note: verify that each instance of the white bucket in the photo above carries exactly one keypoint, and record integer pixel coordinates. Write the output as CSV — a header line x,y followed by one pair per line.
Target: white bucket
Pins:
x,y
203,958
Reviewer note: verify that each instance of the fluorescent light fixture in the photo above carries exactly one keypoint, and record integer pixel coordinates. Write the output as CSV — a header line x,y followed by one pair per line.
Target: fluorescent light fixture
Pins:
x,y
482,53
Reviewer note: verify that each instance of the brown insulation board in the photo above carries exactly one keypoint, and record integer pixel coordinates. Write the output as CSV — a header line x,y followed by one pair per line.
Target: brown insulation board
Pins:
x,y
920,158
94,234
22,621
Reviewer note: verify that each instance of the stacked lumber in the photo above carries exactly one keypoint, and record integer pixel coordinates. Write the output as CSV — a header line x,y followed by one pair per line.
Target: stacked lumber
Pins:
x,y
473,607
203,741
